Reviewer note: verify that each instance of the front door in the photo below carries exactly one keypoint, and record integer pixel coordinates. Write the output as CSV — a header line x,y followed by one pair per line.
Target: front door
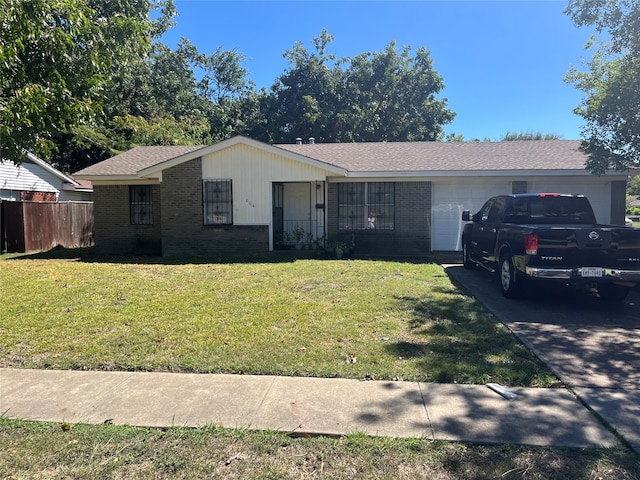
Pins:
x,y
278,215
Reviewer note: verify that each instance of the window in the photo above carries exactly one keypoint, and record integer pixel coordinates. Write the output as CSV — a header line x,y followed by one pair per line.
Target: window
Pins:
x,y
491,210
9,195
366,206
140,205
218,202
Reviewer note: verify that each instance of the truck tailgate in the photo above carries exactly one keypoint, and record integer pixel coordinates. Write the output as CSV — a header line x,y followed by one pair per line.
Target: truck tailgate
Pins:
x,y
604,246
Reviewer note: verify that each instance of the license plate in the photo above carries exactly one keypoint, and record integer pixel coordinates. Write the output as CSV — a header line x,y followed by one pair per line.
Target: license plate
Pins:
x,y
591,272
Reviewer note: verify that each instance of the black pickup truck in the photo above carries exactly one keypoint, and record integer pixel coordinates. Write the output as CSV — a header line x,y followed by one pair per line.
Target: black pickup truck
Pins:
x,y
551,237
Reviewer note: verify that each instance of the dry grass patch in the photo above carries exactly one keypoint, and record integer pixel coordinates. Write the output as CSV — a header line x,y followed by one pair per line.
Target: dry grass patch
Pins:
x,y
43,450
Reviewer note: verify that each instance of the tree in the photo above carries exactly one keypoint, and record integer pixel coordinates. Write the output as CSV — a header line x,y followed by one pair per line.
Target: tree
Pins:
x,y
380,96
514,136
226,90
56,58
617,17
161,130
454,137
391,96
610,108
158,100
633,186
304,100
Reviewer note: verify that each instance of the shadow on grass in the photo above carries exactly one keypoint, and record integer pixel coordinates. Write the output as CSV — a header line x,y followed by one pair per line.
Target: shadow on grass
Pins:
x,y
460,341
92,255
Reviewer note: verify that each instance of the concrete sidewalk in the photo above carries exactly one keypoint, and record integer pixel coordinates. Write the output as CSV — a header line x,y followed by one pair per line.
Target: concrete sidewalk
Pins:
x,y
469,413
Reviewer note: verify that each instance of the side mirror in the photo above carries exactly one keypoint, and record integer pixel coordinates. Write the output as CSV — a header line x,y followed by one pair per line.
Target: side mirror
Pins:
x,y
466,216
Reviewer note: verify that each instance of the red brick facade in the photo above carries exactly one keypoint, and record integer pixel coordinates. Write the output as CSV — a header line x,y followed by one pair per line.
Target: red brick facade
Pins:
x,y
113,231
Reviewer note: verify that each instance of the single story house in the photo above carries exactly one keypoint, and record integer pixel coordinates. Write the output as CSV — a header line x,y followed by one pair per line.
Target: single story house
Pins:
x,y
36,180
244,197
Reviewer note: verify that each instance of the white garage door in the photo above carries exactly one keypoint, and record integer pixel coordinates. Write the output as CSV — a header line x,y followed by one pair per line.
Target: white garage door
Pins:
x,y
599,194
449,199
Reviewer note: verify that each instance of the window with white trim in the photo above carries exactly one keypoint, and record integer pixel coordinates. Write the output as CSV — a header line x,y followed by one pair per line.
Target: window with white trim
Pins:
x,y
140,205
368,205
218,202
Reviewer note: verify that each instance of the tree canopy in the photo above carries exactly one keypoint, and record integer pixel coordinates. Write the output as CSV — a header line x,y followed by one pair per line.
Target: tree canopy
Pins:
x,y
56,58
633,186
514,136
611,85
379,96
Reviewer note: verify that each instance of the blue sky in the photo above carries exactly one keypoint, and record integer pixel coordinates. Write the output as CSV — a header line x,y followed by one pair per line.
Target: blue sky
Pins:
x,y
502,62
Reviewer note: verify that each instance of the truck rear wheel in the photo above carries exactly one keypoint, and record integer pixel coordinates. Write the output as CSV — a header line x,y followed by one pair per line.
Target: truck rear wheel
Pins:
x,y
510,282
611,292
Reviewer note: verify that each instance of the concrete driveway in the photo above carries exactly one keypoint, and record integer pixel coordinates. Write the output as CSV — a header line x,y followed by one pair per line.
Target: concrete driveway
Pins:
x,y
593,346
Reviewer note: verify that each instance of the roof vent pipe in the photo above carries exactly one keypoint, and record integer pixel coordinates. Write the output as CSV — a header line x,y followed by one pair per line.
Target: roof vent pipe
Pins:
x,y
312,140
298,141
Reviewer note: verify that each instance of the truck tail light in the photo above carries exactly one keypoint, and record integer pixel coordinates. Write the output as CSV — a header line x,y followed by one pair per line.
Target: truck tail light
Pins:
x,y
531,244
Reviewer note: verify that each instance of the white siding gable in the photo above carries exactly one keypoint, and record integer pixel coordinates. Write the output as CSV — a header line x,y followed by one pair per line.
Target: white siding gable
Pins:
x,y
27,176
252,172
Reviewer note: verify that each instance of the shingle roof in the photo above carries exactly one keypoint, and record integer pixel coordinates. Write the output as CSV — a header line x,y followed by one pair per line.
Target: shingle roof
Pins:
x,y
134,160
387,157
447,156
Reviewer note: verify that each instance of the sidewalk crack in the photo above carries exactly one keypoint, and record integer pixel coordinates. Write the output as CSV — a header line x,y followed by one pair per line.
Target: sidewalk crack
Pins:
x,y
262,401
426,411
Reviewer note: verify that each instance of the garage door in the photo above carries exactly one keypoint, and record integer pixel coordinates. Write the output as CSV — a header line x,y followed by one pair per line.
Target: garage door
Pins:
x,y
449,199
599,195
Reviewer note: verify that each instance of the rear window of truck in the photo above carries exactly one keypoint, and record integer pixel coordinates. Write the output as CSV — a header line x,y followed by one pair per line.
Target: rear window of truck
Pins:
x,y
550,210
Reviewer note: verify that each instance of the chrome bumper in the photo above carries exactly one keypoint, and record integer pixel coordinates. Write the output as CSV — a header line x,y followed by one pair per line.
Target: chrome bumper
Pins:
x,y
608,274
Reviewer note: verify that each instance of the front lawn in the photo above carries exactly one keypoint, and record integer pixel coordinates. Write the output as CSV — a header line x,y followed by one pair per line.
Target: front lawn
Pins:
x,y
327,318
355,319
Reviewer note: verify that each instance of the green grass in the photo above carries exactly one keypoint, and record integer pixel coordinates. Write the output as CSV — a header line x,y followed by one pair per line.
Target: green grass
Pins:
x,y
38,450
326,318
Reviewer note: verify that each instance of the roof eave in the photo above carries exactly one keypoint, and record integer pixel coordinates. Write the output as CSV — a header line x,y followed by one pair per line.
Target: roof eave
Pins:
x,y
72,188
116,179
476,173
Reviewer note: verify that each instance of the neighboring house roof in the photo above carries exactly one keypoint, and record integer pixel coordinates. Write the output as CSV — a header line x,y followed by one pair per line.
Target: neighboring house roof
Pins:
x,y
79,186
370,159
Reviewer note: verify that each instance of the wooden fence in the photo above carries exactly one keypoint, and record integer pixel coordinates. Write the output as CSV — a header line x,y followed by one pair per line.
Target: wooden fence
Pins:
x,y
31,226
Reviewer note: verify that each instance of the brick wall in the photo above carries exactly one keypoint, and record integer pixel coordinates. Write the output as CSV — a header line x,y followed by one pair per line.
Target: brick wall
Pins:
x,y
113,232
38,196
412,233
183,231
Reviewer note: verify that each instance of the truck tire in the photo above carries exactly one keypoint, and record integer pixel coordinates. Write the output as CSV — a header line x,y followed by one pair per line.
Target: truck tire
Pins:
x,y
610,292
511,283
466,257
